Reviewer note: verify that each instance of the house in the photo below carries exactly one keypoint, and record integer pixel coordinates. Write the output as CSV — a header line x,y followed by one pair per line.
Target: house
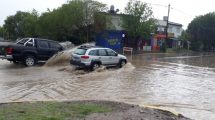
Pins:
x,y
174,32
109,32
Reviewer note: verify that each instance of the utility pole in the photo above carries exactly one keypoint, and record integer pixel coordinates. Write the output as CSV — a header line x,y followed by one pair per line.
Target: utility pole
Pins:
x,y
87,20
167,24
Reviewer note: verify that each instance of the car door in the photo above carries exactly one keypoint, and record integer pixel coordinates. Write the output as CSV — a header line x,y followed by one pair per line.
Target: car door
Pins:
x,y
43,49
103,57
55,48
113,58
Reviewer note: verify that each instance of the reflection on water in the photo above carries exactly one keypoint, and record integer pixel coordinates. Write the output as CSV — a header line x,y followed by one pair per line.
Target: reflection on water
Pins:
x,y
182,83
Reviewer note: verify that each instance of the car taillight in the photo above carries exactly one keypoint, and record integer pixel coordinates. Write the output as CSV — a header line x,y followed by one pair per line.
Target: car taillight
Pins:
x,y
9,50
85,57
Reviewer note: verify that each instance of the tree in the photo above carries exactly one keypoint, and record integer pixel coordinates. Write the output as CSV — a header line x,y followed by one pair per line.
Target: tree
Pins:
x,y
2,31
70,20
201,31
138,19
185,36
22,24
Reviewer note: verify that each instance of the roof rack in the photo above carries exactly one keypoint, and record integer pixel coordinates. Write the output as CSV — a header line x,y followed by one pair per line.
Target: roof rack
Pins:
x,y
89,46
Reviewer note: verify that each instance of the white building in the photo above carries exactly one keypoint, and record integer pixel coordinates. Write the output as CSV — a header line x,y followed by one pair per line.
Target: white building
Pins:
x,y
174,29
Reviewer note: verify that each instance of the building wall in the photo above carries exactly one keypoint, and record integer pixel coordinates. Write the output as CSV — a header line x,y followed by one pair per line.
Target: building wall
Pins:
x,y
111,39
174,30
115,23
177,30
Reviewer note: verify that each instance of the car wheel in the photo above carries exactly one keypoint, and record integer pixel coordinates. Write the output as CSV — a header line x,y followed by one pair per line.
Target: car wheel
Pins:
x,y
95,66
29,61
122,63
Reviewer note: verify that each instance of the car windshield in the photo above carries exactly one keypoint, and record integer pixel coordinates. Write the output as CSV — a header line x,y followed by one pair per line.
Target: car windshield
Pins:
x,y
80,51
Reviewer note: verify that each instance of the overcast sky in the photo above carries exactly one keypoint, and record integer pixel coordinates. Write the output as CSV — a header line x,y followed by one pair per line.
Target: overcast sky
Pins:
x,y
183,11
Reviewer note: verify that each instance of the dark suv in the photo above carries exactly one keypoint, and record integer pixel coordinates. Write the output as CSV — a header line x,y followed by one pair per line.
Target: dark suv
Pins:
x,y
30,50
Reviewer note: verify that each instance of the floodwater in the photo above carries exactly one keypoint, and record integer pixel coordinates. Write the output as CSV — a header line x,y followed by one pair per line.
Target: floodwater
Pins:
x,y
182,83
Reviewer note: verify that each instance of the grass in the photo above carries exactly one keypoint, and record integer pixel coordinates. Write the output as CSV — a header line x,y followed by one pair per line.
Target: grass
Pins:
x,y
49,111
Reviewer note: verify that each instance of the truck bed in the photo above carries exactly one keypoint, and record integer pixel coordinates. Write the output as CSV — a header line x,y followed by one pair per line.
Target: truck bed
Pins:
x,y
3,46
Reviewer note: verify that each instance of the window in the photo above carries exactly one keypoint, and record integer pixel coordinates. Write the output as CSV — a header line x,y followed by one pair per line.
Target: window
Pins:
x,y
170,29
102,52
93,52
22,41
43,44
111,52
30,43
80,51
178,30
55,45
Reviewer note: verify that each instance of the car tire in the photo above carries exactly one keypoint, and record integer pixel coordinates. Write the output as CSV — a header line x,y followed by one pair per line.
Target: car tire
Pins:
x,y
122,63
95,66
29,61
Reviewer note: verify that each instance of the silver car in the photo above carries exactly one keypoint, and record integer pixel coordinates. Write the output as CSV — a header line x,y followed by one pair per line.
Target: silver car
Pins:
x,y
93,57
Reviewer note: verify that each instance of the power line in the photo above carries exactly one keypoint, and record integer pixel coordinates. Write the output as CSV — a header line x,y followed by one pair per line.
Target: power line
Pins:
x,y
160,5
185,13
175,9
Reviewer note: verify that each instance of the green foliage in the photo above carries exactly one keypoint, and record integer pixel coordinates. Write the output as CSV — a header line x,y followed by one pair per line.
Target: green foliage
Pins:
x,y
71,20
103,22
64,22
100,20
201,31
2,31
22,24
185,36
61,22
49,111
138,19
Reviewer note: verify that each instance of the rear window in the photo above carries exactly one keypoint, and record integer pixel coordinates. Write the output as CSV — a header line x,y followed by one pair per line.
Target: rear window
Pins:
x,y
80,51
30,43
22,41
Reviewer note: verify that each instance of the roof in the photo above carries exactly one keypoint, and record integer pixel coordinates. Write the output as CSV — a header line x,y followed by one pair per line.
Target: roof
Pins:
x,y
88,47
163,23
176,24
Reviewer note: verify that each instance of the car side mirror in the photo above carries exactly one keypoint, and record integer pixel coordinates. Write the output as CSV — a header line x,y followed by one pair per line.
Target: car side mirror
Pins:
x,y
116,54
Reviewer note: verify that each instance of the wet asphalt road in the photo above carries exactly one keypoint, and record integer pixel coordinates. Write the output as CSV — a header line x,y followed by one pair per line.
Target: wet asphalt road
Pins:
x,y
183,83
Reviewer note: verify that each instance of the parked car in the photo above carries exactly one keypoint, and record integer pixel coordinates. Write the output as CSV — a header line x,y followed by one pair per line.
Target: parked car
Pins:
x,y
93,57
30,50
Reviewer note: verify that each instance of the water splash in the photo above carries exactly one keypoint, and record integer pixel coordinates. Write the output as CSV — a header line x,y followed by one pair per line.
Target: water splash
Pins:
x,y
63,58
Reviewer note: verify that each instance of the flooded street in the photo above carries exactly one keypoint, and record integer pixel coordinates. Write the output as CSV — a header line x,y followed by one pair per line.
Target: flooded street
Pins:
x,y
179,83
